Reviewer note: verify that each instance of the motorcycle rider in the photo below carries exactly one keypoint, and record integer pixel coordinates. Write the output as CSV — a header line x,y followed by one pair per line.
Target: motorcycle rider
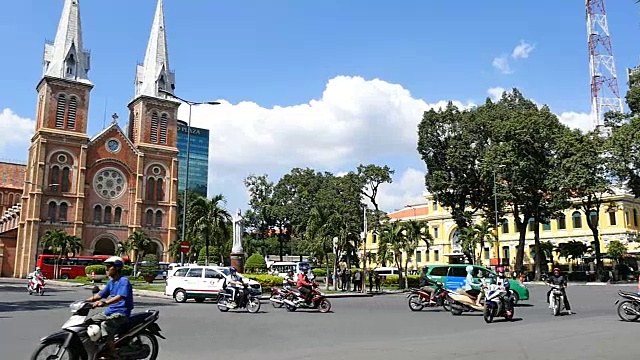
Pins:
x,y
304,285
426,283
502,280
289,280
558,279
234,283
469,285
33,278
119,294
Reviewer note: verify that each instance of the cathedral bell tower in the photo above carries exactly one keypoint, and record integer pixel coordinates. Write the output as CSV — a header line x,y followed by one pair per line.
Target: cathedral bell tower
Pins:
x,y
54,185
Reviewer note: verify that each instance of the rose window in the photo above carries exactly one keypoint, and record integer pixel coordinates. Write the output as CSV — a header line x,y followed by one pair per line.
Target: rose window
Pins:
x,y
109,184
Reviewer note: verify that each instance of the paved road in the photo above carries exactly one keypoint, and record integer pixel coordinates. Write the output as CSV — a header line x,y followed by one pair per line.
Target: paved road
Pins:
x,y
359,328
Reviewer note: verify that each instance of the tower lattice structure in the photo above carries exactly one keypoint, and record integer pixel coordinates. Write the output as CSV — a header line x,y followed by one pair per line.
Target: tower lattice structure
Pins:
x,y
605,95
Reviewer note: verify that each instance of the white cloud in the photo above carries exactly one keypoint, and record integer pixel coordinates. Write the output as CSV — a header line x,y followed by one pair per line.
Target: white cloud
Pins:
x,y
16,135
407,188
522,50
354,119
572,119
495,93
501,63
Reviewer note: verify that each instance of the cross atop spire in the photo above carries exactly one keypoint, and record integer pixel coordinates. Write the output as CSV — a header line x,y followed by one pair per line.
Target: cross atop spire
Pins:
x,y
66,58
154,74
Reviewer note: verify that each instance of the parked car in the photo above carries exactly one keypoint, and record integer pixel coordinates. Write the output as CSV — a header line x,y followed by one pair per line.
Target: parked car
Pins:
x,y
200,283
453,276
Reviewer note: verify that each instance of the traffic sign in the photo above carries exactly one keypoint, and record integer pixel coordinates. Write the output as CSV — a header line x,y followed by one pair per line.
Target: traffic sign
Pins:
x,y
185,247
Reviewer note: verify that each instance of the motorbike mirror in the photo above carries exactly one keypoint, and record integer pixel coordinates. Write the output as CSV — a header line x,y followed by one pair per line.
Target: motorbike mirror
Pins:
x,y
95,290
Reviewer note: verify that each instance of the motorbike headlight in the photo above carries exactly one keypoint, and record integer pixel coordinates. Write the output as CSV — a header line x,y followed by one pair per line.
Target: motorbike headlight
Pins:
x,y
76,306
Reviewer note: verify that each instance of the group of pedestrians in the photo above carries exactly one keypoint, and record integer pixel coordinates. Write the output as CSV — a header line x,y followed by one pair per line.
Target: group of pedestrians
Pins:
x,y
354,280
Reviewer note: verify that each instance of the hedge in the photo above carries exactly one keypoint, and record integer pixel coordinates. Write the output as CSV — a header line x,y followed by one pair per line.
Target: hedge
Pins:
x,y
265,280
127,270
256,264
319,272
98,269
392,280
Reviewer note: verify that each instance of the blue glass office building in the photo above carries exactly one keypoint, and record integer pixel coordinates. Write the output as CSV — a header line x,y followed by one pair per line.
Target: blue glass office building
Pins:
x,y
198,159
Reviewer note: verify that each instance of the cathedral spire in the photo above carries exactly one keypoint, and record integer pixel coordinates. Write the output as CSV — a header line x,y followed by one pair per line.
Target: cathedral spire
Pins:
x,y
154,74
66,58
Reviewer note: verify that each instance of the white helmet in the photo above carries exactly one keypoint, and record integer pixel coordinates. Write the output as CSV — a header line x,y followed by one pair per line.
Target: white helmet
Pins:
x,y
115,260
37,268
94,332
469,269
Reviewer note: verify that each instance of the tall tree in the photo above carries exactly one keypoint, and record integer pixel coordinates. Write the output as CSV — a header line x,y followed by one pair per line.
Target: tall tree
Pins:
x,y
583,173
261,217
213,222
522,149
415,233
452,144
373,176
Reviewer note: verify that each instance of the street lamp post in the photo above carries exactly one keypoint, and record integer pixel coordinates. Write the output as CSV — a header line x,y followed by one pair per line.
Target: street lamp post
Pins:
x,y
186,181
495,201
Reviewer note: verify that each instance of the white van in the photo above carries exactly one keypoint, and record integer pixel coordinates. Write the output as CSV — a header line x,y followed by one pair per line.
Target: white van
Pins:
x,y
282,267
386,271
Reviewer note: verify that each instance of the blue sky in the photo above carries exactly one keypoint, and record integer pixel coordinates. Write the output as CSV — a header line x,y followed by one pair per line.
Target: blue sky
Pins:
x,y
283,54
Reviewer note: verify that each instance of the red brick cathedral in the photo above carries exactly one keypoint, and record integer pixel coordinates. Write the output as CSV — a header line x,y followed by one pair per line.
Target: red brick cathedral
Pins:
x,y
105,187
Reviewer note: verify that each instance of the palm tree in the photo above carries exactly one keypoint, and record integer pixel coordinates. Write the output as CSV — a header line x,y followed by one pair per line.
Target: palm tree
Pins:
x,y
414,232
319,234
468,242
211,219
393,236
59,242
137,242
572,250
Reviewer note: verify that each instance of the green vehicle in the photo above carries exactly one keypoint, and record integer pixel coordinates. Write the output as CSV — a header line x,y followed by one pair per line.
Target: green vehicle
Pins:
x,y
453,276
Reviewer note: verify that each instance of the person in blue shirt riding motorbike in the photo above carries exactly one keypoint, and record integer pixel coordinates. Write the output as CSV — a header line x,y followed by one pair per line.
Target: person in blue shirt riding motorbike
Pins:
x,y
119,303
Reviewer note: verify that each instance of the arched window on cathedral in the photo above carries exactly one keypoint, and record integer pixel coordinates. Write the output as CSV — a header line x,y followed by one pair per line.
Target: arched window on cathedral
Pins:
x,y
2,200
151,188
149,218
97,214
71,65
60,110
164,122
10,199
65,181
159,190
53,207
62,213
159,218
117,218
107,215
153,136
71,113
54,177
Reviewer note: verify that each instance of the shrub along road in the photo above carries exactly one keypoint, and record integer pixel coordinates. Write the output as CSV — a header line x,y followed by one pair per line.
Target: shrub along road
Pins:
x,y
358,328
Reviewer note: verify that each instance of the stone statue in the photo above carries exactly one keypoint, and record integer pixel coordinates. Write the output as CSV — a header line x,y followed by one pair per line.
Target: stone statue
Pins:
x,y
238,230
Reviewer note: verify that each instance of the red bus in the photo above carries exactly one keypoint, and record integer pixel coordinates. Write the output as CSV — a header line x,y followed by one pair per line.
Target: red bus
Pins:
x,y
70,266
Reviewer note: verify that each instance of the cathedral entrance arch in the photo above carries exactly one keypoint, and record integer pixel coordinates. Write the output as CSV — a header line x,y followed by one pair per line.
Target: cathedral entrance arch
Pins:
x,y
104,246
155,247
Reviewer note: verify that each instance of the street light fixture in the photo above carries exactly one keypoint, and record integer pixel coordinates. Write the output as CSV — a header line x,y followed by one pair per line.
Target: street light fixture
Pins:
x,y
186,181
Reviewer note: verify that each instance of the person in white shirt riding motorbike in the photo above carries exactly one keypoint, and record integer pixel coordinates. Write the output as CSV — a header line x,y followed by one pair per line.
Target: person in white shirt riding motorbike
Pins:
x,y
33,278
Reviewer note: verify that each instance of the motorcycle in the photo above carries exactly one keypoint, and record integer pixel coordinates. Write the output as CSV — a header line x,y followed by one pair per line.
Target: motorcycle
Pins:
x,y
319,301
248,298
36,286
277,296
497,303
418,299
556,300
75,342
629,309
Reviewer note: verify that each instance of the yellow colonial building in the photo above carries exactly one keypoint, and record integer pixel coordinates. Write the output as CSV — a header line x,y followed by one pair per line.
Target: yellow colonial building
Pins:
x,y
619,220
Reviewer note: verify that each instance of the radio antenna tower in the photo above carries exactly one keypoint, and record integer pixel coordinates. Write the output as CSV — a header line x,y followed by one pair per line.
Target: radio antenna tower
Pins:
x,y
605,95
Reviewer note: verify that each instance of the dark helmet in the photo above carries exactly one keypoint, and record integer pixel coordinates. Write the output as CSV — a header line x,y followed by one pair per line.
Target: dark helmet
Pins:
x,y
114,261
557,270
232,269
500,270
425,268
